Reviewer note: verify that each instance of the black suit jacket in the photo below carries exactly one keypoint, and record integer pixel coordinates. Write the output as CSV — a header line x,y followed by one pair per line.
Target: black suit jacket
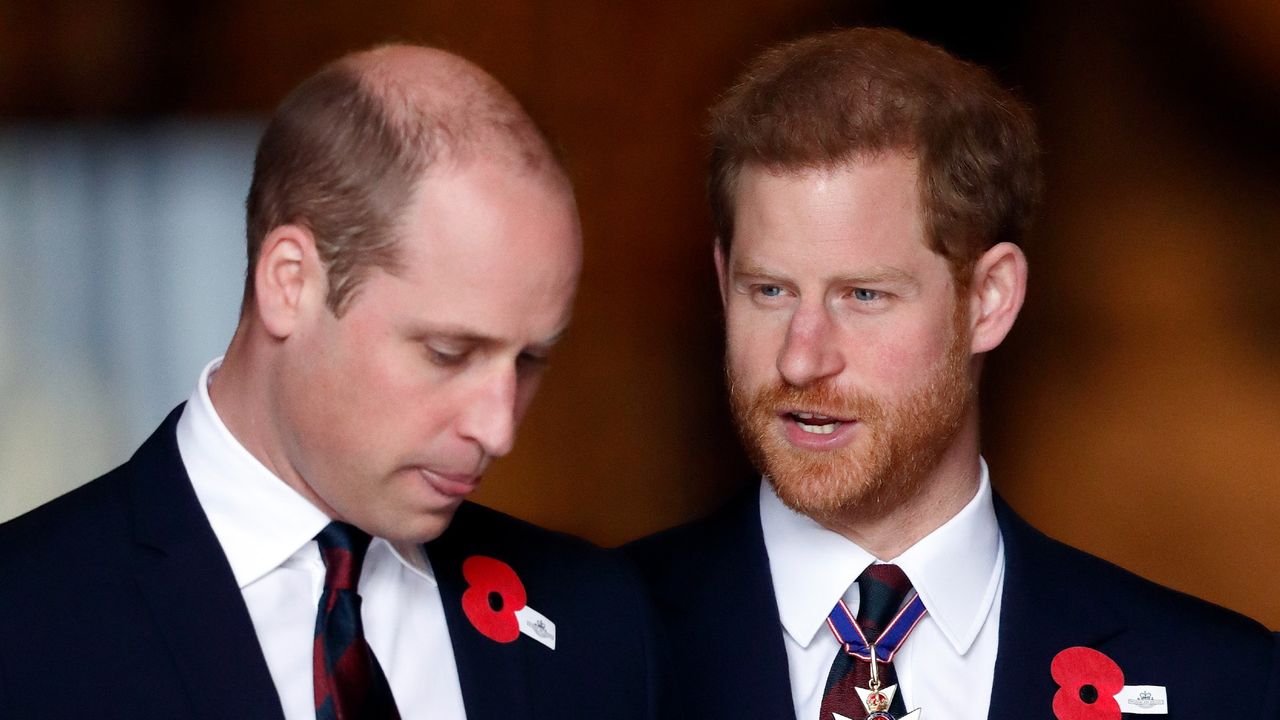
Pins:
x,y
116,601
714,592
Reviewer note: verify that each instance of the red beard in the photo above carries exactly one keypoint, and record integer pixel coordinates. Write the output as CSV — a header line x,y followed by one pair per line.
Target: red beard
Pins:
x,y
899,442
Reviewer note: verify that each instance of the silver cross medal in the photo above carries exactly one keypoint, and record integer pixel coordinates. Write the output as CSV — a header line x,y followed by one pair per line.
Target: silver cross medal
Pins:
x,y
877,700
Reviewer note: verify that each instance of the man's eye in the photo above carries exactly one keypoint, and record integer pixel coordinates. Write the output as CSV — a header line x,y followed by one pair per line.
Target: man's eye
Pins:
x,y
445,358
770,291
865,295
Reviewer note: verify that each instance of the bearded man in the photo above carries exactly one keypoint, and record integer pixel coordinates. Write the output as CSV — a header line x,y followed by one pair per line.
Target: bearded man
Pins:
x,y
869,193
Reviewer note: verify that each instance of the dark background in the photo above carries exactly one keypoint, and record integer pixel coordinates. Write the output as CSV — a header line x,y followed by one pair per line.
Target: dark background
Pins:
x,y
1135,409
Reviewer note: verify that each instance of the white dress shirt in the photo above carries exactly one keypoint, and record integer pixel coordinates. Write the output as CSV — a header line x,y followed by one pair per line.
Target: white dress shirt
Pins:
x,y
267,531
947,664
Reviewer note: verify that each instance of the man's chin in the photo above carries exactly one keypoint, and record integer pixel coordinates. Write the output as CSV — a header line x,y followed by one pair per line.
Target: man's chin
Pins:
x,y
821,495
419,527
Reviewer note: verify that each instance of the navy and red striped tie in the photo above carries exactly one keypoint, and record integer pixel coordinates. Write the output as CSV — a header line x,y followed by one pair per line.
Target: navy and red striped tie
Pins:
x,y
881,590
349,682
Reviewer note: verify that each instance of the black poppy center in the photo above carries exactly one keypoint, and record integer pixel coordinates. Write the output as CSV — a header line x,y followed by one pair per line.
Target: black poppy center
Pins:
x,y
1089,694
495,604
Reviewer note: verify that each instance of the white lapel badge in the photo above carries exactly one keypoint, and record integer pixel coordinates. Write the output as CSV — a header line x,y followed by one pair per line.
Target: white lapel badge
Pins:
x,y
537,626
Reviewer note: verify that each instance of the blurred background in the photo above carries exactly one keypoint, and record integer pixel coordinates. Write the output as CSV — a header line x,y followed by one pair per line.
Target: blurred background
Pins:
x,y
1134,412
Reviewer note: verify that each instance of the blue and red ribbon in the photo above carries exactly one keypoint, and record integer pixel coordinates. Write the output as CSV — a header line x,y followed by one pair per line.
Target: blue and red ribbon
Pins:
x,y
855,643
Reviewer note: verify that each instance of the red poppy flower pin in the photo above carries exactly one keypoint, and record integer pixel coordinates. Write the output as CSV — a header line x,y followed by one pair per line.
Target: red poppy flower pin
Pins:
x,y
496,604
1091,687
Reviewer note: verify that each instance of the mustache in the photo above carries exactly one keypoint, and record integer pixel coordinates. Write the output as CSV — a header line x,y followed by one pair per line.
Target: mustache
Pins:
x,y
821,398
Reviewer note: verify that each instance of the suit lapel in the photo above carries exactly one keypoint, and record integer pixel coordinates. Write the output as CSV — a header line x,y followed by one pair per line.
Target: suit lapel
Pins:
x,y
494,676
740,615
187,585
1045,608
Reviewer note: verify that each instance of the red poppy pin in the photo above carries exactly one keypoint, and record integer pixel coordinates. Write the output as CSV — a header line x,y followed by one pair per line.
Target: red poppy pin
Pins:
x,y
1088,683
496,604
1091,687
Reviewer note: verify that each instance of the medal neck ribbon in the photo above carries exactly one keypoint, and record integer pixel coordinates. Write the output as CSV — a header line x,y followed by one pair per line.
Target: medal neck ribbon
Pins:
x,y
886,645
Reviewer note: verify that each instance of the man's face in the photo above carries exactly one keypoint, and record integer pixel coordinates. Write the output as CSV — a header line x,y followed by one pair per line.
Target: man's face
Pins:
x,y
390,414
848,345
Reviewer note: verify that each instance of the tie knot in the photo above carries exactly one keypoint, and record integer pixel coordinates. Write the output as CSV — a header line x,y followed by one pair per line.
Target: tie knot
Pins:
x,y
342,548
881,590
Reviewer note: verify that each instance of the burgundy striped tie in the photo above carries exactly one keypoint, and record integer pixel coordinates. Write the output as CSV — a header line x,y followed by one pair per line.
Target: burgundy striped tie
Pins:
x,y
881,590
349,683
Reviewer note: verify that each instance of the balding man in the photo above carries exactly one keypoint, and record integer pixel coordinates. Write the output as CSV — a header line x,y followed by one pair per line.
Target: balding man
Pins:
x,y
294,541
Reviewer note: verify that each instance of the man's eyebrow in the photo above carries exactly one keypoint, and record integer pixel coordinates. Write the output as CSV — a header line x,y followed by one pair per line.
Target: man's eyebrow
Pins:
x,y
461,334
878,275
875,275
752,270
455,332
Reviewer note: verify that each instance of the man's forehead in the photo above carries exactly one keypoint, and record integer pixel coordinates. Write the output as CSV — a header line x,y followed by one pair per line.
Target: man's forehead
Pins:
x,y
838,200
874,199
828,167
498,154
431,304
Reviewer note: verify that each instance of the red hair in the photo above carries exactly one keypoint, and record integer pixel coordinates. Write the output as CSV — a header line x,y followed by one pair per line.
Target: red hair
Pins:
x,y
826,100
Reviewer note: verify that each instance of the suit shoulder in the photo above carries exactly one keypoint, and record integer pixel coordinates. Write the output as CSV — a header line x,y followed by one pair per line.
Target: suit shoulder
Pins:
x,y
479,530
678,555
1145,602
481,523
659,549
95,518
1128,590
81,518
60,553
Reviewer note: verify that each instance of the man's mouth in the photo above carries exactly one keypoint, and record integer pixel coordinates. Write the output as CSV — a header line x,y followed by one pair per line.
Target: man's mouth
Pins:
x,y
816,423
451,484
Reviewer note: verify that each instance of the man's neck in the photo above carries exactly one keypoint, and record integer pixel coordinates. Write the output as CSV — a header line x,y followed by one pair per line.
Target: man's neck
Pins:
x,y
237,393
243,394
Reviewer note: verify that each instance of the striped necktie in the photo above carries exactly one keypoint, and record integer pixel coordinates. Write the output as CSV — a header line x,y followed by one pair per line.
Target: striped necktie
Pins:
x,y
881,591
349,683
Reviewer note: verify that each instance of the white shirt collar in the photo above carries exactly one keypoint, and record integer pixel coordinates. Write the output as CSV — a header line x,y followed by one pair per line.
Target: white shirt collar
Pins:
x,y
956,569
259,520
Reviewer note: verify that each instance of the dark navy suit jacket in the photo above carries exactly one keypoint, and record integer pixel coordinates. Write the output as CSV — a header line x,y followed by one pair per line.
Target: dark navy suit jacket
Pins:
x,y
116,601
713,589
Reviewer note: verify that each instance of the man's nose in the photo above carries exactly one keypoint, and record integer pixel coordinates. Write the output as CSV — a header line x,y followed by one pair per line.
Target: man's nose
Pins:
x,y
490,417
811,350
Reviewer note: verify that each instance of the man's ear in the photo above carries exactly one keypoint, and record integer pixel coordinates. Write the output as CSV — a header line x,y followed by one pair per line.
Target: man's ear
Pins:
x,y
996,293
722,271
288,279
